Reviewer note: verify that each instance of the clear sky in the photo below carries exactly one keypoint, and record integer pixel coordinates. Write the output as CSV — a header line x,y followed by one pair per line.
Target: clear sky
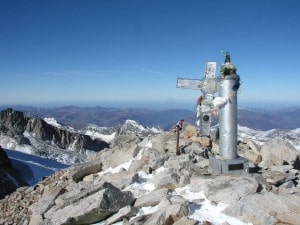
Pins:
x,y
109,51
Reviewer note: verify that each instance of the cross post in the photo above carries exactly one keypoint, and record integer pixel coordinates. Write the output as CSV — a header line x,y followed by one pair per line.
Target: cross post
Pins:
x,y
208,86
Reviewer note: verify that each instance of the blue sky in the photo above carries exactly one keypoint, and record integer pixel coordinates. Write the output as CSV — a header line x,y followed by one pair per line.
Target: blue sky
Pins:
x,y
110,52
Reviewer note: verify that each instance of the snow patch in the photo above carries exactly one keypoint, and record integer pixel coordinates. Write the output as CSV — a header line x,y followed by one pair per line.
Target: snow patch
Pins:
x,y
108,138
202,210
134,124
52,121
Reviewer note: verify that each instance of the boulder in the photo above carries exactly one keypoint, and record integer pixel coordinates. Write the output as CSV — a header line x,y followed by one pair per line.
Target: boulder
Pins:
x,y
120,180
178,162
204,141
185,221
189,131
93,208
226,189
118,155
195,146
46,201
267,208
126,140
282,169
253,156
166,179
125,212
274,177
279,152
253,146
215,148
170,210
82,170
152,198
146,163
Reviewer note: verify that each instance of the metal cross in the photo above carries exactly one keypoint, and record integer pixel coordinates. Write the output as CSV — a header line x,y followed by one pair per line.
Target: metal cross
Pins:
x,y
208,86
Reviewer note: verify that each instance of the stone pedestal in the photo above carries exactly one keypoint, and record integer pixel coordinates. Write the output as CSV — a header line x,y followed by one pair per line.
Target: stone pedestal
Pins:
x,y
221,165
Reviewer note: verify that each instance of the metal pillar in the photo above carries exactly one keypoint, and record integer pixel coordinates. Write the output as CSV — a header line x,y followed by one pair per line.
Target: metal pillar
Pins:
x,y
228,161
228,118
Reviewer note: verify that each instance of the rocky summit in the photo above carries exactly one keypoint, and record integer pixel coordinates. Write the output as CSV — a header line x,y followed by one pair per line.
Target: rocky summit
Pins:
x,y
143,181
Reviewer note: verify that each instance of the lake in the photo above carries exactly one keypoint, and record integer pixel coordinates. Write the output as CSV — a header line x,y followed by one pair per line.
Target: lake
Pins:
x,y
32,168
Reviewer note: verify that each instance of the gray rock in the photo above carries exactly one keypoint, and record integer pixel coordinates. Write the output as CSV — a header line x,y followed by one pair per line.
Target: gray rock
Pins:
x,y
263,184
253,157
282,169
279,152
178,162
139,220
76,192
82,170
117,155
144,142
226,189
46,201
267,209
148,156
119,180
166,179
274,177
170,210
152,198
93,208
124,212
215,149
185,221
253,146
286,187
157,218
126,139
36,219
195,146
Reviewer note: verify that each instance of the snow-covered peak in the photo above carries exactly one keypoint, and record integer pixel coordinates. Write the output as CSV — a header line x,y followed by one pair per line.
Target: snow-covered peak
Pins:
x,y
108,134
133,123
292,136
52,121
138,129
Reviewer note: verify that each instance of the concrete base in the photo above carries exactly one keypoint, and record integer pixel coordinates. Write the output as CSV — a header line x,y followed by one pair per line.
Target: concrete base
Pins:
x,y
229,165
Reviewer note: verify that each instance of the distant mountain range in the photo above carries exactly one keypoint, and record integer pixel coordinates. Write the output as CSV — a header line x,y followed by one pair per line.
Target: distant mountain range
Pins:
x,y
80,117
47,138
35,136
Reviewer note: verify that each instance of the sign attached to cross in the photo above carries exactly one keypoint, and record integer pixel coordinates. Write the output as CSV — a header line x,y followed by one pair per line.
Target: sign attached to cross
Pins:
x,y
208,86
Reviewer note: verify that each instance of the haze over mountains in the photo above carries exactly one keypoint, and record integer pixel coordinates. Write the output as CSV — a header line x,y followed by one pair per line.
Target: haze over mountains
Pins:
x,y
80,117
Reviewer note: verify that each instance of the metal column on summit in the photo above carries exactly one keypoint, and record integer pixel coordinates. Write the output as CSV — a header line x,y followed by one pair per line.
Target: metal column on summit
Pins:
x,y
229,83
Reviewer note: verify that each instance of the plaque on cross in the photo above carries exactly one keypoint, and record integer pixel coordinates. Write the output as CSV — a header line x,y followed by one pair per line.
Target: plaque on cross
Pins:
x,y
208,86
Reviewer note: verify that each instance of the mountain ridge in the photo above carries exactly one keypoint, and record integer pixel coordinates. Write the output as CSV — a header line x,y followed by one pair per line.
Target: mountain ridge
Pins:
x,y
44,139
261,119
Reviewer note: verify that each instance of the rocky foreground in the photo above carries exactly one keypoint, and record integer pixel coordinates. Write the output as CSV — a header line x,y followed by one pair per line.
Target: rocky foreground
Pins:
x,y
143,182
